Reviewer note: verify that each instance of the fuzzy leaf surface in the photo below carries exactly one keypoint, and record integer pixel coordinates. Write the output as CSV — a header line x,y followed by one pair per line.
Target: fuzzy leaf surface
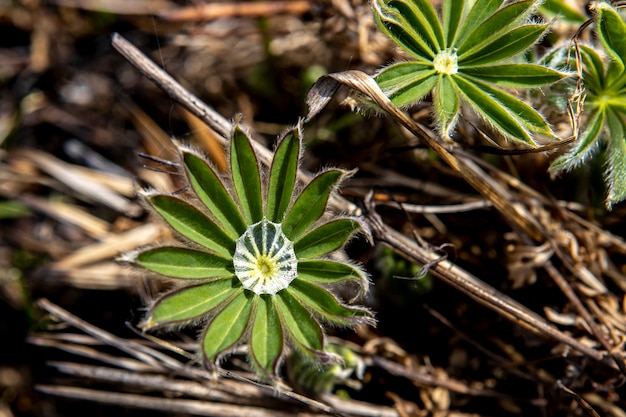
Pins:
x,y
303,330
228,327
311,203
516,75
326,238
495,26
266,340
326,306
192,224
246,177
283,175
190,303
510,44
184,263
212,192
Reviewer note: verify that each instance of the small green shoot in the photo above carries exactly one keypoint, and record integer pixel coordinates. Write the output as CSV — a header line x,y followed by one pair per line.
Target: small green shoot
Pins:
x,y
604,79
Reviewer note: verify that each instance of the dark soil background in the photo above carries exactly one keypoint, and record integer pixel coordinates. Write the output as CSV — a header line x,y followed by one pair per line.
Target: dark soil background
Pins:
x,y
70,105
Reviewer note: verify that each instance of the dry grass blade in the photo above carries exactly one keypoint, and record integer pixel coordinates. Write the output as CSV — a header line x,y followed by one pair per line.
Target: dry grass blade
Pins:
x,y
216,10
84,185
243,394
111,247
195,407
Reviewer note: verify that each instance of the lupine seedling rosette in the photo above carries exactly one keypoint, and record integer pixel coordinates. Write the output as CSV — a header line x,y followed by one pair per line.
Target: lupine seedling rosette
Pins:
x,y
251,264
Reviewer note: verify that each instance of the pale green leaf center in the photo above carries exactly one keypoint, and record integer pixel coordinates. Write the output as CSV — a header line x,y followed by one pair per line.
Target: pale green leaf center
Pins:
x,y
264,259
446,62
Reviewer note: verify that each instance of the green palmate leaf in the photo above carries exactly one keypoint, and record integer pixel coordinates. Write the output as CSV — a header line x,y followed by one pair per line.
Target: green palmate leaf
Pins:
x,y
246,178
210,189
266,339
228,327
585,145
323,271
192,224
495,26
283,175
421,14
612,33
493,111
184,263
446,104
479,12
506,46
452,14
516,75
311,203
326,306
407,82
190,303
326,238
302,329
401,32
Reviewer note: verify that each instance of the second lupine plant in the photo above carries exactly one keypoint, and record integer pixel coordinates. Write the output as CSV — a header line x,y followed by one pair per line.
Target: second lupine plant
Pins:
x,y
468,55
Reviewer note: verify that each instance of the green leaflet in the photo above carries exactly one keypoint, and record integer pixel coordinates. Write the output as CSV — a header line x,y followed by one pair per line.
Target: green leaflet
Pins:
x,y
246,178
407,82
192,224
510,44
184,263
326,238
283,175
586,144
190,303
480,11
397,28
421,14
612,33
324,271
494,26
563,10
446,104
493,111
616,158
210,189
266,339
228,326
311,203
302,329
452,14
326,306
516,75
